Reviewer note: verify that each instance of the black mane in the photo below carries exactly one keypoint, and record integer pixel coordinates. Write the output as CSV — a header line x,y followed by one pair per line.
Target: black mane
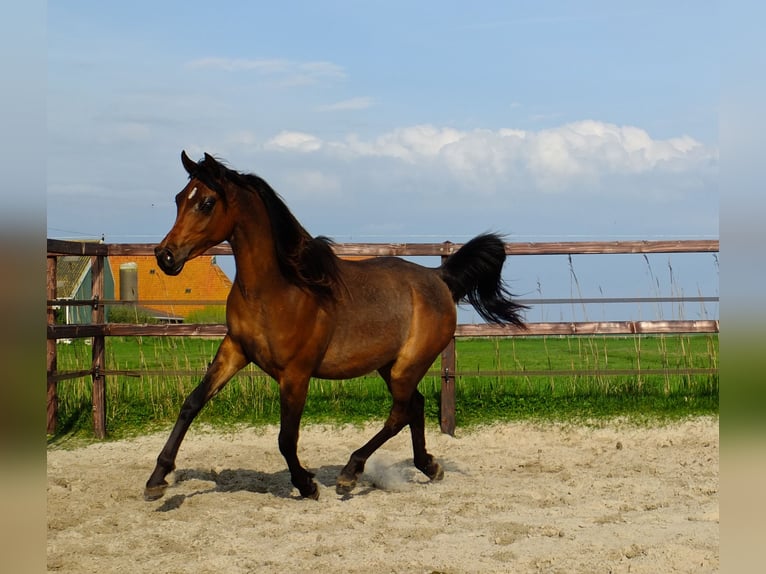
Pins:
x,y
305,261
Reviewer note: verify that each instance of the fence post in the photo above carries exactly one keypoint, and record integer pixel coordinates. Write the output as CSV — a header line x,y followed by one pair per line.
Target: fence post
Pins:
x,y
99,348
52,392
447,407
448,389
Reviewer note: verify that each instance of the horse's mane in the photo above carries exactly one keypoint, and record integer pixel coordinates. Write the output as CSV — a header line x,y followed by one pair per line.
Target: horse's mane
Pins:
x,y
305,261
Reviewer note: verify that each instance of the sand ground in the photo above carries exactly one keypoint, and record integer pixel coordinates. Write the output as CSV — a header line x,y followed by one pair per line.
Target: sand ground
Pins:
x,y
516,497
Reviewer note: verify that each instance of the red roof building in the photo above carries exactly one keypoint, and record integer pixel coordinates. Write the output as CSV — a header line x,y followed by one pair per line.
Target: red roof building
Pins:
x,y
201,280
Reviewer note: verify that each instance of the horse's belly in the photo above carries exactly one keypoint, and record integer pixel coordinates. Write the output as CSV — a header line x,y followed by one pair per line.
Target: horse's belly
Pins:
x,y
357,356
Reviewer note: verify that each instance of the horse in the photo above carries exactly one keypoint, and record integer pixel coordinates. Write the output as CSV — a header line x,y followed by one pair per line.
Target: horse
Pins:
x,y
297,311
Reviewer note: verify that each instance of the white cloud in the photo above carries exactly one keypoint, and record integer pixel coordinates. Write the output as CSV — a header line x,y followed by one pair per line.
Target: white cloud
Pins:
x,y
408,144
294,141
578,154
350,104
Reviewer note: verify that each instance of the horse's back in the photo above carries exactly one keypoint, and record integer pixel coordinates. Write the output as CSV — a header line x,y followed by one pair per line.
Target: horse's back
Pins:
x,y
391,286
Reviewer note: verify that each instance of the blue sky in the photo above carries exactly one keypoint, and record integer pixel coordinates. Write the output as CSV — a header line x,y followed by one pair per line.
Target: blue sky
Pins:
x,y
399,121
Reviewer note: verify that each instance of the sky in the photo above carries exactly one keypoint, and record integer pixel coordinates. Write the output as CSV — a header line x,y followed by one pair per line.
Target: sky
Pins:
x,y
403,121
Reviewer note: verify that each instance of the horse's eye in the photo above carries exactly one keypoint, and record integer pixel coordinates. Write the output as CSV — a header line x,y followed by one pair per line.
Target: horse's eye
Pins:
x,y
206,205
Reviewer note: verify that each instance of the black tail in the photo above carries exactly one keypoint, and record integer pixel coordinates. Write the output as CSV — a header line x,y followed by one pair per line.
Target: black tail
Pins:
x,y
473,274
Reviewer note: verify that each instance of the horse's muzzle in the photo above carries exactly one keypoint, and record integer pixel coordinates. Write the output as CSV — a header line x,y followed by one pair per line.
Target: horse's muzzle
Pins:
x,y
167,261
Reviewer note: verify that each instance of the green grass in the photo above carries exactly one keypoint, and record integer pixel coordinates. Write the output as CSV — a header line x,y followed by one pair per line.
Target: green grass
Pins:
x,y
638,396
139,404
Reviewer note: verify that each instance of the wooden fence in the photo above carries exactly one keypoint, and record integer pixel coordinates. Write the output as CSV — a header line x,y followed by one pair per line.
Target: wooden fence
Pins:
x,y
98,330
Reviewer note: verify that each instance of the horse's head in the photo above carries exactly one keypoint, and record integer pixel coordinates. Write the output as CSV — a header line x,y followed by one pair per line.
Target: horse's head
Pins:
x,y
202,219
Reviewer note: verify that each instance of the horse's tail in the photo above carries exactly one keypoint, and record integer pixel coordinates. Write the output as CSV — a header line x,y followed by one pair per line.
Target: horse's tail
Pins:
x,y
473,274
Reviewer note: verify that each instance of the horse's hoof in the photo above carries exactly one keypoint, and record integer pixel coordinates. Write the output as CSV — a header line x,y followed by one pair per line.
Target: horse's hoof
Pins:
x,y
435,471
311,492
343,487
155,492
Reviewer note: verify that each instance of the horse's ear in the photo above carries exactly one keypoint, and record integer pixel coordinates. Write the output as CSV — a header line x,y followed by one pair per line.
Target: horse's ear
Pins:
x,y
190,166
212,165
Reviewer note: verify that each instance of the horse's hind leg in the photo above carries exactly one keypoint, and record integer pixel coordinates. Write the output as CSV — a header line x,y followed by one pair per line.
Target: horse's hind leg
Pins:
x,y
397,419
228,360
408,409
423,460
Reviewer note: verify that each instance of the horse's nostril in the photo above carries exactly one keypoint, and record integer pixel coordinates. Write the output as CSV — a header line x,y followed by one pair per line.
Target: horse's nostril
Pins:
x,y
167,261
165,258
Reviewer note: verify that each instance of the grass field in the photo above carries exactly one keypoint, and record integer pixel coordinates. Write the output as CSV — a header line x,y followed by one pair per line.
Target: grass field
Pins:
x,y
139,404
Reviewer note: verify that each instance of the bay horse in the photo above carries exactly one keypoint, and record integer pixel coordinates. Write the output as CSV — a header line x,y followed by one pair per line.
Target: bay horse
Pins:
x,y
298,311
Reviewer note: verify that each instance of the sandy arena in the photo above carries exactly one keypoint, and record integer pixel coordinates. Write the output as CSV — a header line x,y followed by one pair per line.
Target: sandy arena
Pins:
x,y
515,498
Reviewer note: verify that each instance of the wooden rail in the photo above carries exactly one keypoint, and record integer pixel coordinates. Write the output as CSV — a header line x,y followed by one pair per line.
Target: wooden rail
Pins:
x,y
60,247
98,330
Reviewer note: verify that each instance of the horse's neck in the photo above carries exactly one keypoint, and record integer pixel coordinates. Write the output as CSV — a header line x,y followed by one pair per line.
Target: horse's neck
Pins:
x,y
255,258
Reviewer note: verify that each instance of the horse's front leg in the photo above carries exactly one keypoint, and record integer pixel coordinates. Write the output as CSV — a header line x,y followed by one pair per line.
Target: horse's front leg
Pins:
x,y
292,397
228,360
